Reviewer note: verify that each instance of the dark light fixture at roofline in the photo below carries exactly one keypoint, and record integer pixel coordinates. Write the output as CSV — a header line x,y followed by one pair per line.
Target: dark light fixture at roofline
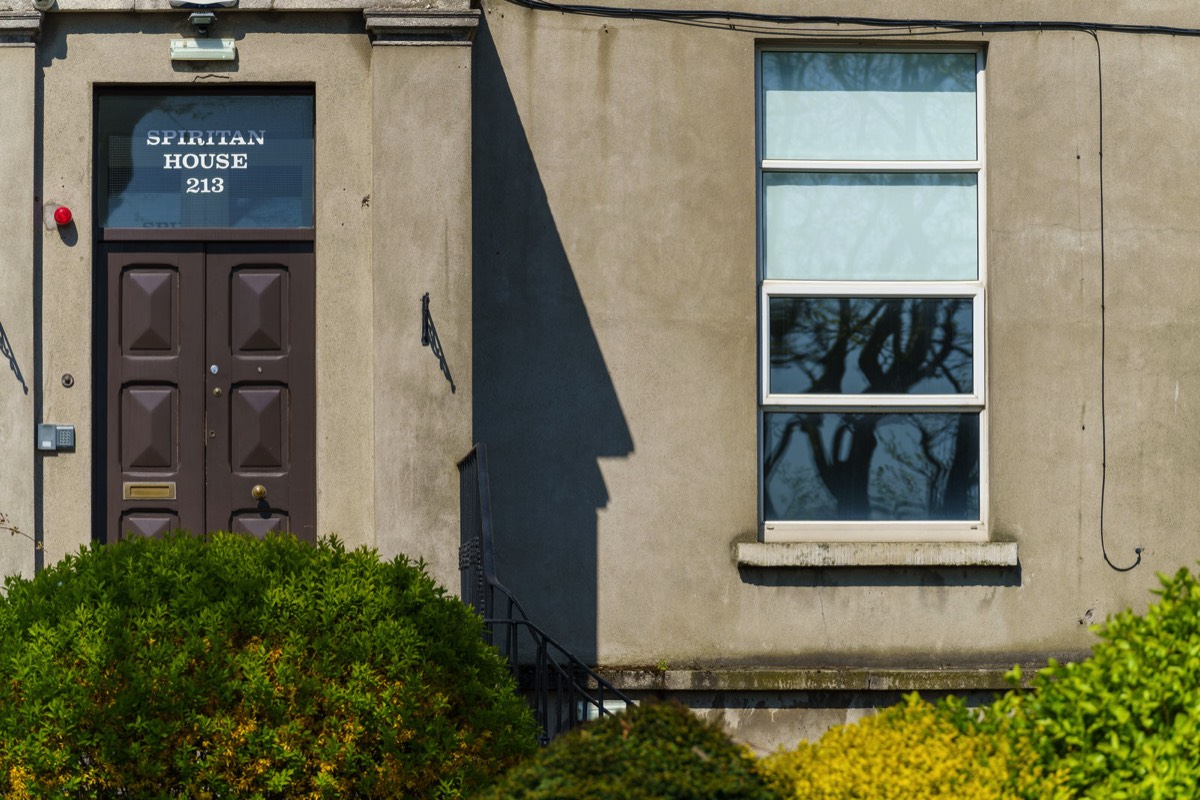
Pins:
x,y
201,20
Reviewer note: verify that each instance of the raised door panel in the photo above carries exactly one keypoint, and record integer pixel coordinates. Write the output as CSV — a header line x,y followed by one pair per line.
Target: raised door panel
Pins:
x,y
259,429
148,525
150,310
149,428
259,524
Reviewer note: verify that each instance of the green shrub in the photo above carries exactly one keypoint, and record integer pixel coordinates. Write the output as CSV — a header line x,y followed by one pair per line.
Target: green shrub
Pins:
x,y
1124,723
649,751
227,667
908,751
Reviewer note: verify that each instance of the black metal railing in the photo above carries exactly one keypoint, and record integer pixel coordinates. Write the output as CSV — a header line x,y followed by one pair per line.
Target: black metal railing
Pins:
x,y
562,689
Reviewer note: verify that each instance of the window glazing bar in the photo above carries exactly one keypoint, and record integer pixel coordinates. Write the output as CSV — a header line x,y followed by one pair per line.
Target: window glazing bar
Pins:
x,y
793,165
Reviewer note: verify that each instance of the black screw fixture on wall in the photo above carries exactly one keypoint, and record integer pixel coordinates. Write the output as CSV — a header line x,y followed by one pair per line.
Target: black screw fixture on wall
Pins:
x,y
429,338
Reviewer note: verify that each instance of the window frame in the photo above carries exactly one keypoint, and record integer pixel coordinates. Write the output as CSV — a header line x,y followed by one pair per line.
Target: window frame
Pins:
x,y
975,290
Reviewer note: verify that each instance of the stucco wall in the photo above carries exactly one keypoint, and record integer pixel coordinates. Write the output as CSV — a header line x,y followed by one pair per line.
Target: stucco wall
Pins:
x,y
605,345
422,207
615,354
17,65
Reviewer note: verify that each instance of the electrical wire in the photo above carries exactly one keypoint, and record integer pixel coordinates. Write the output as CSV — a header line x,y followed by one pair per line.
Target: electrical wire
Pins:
x,y
726,19
1103,326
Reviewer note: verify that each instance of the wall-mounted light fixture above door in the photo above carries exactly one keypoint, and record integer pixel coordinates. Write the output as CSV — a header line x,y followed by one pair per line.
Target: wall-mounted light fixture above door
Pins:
x,y
203,50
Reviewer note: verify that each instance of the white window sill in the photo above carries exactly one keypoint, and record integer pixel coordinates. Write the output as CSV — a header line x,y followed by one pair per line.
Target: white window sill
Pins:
x,y
877,554
857,531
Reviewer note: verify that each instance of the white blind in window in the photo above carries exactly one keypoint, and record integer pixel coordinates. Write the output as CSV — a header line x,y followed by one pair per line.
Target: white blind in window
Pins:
x,y
864,106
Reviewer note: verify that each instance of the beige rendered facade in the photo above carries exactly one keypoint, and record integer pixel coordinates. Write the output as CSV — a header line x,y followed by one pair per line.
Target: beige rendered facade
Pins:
x,y
580,198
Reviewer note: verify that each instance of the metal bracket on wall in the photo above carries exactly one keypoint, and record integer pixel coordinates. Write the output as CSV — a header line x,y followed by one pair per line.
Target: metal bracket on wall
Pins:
x,y
429,338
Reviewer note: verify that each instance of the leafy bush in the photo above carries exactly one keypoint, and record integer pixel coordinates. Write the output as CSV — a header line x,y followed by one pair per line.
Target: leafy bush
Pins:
x,y
657,750
907,751
227,667
1124,723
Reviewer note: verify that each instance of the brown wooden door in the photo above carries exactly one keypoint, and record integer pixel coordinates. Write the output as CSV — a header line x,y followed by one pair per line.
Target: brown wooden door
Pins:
x,y
211,411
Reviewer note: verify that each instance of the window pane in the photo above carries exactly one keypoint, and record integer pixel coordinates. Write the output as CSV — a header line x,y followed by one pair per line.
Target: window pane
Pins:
x,y
205,161
855,106
888,226
871,345
863,466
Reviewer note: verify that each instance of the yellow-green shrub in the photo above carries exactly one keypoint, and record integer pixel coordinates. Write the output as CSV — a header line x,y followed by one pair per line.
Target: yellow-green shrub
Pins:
x,y
1125,722
913,750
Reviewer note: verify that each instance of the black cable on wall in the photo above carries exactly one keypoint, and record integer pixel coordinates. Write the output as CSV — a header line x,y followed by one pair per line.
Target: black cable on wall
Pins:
x,y
742,20
1103,326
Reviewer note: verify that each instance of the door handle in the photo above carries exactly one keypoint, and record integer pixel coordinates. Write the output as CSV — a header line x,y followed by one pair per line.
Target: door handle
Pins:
x,y
259,492
216,391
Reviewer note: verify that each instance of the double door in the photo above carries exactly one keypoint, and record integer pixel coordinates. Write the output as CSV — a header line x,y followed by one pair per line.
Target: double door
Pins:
x,y
210,389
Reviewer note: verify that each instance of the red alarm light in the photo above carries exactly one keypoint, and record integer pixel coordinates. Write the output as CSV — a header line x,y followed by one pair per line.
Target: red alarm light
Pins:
x,y
62,215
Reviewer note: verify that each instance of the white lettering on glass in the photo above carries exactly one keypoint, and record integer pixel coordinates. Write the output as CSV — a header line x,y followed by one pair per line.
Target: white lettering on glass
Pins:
x,y
196,138
205,185
193,161
208,161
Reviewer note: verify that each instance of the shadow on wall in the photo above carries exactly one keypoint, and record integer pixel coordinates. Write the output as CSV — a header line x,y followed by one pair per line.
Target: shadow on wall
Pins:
x,y
544,402
6,352
936,577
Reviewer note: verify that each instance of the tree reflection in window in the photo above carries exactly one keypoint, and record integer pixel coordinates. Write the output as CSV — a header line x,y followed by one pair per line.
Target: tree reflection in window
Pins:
x,y
871,345
871,466
861,465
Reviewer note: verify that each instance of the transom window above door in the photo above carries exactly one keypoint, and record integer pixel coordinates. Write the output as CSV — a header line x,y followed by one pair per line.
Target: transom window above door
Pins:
x,y
194,161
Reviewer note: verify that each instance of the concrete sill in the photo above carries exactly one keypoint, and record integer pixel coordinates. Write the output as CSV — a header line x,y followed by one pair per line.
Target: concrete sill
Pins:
x,y
877,554
810,679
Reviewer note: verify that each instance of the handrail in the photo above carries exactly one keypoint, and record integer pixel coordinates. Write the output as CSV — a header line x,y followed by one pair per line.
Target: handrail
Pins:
x,y
562,689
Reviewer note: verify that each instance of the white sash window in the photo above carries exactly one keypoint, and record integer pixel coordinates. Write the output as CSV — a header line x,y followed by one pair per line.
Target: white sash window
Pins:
x,y
872,290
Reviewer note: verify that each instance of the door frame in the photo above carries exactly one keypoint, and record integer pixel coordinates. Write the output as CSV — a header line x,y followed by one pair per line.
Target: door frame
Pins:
x,y
106,240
